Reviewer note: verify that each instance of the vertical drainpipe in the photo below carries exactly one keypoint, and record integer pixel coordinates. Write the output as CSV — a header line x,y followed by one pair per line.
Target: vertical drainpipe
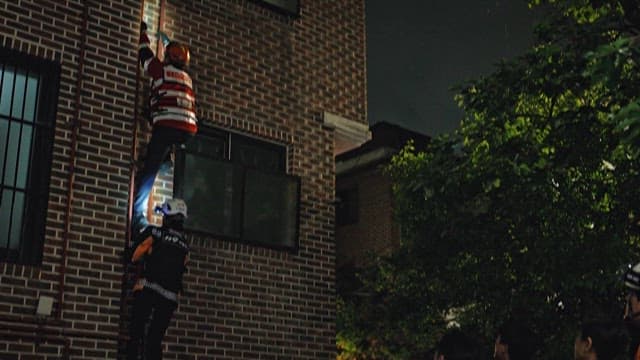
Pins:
x,y
159,55
136,121
75,127
134,144
134,156
159,47
132,173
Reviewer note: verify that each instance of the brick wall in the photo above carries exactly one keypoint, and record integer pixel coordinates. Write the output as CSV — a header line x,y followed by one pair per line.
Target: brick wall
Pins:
x,y
255,71
375,231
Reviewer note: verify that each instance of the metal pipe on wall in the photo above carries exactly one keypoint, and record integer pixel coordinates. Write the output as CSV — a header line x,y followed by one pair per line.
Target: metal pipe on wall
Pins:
x,y
132,183
160,28
134,155
134,144
72,159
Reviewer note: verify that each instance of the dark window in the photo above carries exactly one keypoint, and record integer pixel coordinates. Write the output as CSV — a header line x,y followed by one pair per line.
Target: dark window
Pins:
x,y
347,206
28,97
288,7
236,187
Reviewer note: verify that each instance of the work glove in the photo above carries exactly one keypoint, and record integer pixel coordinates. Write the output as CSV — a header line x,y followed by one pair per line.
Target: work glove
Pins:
x,y
165,39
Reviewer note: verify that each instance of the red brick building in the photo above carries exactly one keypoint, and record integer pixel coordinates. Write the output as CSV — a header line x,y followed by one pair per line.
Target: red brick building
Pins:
x,y
280,86
364,215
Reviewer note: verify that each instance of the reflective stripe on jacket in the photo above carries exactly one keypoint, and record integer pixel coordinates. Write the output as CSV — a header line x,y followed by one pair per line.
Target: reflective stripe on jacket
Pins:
x,y
172,101
164,252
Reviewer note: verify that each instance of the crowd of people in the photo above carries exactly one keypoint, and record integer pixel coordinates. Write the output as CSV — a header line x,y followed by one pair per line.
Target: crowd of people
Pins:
x,y
608,339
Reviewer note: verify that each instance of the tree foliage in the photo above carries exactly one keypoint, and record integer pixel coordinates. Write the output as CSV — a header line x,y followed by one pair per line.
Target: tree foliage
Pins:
x,y
529,209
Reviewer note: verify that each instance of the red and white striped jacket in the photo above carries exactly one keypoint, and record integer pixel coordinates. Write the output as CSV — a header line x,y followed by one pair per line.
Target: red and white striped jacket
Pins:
x,y
172,102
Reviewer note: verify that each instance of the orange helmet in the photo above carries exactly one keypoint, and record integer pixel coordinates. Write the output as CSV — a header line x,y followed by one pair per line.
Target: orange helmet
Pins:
x,y
177,54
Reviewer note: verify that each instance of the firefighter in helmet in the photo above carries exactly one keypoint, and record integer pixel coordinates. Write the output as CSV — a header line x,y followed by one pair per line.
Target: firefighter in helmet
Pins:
x,y
163,253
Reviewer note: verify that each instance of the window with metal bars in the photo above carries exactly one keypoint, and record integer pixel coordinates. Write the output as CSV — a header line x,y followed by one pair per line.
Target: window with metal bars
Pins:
x,y
236,187
28,98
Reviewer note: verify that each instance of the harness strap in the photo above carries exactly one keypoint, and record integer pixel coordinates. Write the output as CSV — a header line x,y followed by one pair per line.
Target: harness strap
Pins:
x,y
169,295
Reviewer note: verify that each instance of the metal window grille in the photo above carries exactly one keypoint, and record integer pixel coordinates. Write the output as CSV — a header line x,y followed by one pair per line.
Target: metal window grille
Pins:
x,y
28,91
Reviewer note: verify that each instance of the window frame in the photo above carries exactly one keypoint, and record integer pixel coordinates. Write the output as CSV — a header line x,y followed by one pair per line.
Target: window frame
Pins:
x,y
38,178
211,131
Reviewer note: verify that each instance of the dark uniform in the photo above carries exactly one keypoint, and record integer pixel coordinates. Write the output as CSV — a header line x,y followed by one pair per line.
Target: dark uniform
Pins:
x,y
164,252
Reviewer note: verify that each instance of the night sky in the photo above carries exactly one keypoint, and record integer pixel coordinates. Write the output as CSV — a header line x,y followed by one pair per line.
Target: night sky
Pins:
x,y
418,49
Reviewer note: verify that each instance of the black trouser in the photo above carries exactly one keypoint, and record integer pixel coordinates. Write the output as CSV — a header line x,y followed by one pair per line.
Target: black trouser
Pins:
x,y
149,304
162,138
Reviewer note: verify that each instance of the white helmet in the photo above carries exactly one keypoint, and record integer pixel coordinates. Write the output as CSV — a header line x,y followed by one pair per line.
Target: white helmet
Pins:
x,y
173,207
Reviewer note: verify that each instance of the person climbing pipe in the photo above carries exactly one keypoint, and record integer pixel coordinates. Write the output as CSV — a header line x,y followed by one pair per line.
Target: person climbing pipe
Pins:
x,y
173,119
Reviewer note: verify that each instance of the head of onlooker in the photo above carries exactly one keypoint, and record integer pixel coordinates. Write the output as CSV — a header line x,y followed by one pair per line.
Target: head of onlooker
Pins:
x,y
632,307
457,345
515,341
632,286
601,340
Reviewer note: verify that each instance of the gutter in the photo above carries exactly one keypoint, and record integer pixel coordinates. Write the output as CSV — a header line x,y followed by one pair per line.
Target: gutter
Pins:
x,y
364,160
